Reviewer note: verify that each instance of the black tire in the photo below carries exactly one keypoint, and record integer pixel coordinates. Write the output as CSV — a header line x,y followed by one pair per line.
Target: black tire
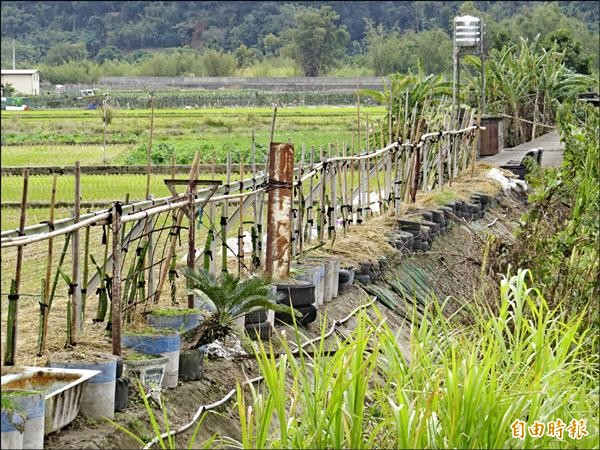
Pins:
x,y
343,287
427,215
256,317
260,330
366,268
408,225
438,216
119,367
309,315
344,276
121,393
362,278
301,294
435,227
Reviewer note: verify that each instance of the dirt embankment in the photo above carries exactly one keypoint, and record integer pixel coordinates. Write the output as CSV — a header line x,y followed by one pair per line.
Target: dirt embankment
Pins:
x,y
456,266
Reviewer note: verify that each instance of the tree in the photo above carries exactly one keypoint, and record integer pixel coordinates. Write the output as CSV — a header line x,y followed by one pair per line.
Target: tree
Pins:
x,y
66,52
217,64
110,53
315,42
563,41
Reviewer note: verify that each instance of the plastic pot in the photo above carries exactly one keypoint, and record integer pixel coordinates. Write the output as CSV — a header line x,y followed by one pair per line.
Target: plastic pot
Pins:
x,y
165,345
98,399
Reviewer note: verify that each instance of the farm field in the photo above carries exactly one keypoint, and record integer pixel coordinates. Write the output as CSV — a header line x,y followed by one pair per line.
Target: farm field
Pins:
x,y
209,130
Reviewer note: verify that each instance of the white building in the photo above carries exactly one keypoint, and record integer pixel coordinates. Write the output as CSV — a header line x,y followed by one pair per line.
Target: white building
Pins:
x,y
26,82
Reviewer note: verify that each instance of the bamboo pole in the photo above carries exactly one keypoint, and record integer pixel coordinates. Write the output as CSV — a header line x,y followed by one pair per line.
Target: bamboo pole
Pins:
x,y
333,200
13,306
211,212
344,168
224,217
368,169
76,320
301,205
309,209
86,265
171,248
474,146
116,280
241,224
149,160
322,193
358,208
45,308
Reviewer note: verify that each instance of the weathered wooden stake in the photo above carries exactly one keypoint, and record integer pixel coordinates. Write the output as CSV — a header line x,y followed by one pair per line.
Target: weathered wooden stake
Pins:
x,y
149,161
241,224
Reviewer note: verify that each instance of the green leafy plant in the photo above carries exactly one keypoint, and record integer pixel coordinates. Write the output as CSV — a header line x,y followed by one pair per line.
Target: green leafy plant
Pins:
x,y
230,298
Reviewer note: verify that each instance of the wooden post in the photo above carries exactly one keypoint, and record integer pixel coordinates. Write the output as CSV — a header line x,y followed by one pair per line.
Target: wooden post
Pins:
x,y
86,265
116,279
281,172
352,153
301,205
224,218
42,343
13,305
474,146
347,202
211,213
150,221
76,319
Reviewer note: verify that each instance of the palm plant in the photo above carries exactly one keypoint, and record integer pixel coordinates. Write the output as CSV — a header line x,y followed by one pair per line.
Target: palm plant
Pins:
x,y
230,298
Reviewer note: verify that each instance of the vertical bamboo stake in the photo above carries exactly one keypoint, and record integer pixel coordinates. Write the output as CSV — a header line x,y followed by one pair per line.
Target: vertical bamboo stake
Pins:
x,y
241,225
104,105
149,161
86,265
301,205
358,116
191,257
116,279
322,193
46,305
359,198
12,319
211,212
333,199
344,169
76,322
368,167
150,221
309,209
224,212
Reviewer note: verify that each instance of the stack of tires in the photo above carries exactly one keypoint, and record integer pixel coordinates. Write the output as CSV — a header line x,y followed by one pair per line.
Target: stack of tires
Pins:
x,y
258,326
345,279
301,296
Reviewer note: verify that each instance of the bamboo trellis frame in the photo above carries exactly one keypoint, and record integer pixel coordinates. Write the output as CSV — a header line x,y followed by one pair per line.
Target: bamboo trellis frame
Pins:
x,y
325,189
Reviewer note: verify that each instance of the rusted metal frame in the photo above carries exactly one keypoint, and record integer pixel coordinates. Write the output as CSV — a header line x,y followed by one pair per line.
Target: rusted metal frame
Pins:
x,y
281,170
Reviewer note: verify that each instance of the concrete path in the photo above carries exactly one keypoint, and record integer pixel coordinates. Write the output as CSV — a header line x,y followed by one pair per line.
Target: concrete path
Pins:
x,y
549,143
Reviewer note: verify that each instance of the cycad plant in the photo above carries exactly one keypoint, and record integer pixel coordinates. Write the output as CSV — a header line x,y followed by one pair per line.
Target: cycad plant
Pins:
x,y
230,298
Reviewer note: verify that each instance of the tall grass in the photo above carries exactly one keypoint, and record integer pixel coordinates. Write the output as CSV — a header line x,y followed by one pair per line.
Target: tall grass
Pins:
x,y
463,388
